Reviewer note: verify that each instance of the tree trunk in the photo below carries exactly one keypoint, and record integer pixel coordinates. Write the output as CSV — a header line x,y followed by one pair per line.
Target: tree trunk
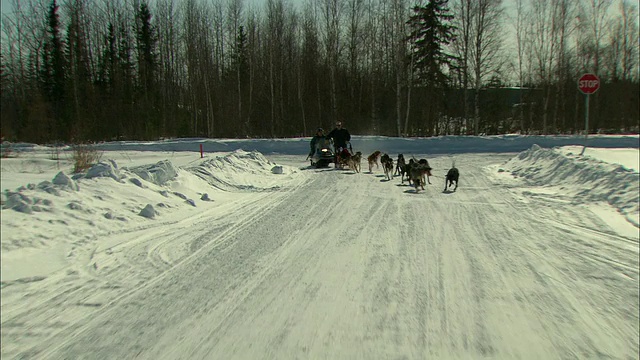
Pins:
x,y
398,102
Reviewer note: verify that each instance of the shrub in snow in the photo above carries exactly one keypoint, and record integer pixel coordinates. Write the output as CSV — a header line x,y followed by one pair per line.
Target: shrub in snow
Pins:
x,y
108,216
149,212
65,181
277,169
158,173
84,156
164,193
104,169
191,202
205,197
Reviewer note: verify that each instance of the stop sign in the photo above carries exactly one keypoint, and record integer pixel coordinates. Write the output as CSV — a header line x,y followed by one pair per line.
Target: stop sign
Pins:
x,y
588,83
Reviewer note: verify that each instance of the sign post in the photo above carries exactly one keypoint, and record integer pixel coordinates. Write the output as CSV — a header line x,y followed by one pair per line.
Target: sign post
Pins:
x,y
587,84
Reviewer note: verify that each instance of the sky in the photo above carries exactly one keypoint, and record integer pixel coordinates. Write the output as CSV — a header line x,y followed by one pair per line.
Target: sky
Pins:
x,y
248,252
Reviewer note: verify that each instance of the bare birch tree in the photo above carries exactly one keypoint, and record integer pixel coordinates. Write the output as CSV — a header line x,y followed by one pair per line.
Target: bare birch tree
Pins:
x,y
520,28
563,27
234,22
545,44
463,10
630,40
486,36
331,13
594,19
399,34
167,18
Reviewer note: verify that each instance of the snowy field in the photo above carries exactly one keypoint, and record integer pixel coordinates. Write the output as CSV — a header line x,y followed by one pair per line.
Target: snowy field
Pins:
x,y
248,253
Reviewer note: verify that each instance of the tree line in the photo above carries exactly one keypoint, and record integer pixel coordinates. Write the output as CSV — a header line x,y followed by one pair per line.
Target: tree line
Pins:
x,y
92,70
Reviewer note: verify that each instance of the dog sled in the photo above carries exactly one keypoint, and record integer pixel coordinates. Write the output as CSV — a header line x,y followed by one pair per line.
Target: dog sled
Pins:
x,y
324,155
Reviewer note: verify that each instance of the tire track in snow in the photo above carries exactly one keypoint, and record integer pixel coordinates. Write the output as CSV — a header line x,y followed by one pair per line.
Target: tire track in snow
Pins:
x,y
123,276
254,208
351,267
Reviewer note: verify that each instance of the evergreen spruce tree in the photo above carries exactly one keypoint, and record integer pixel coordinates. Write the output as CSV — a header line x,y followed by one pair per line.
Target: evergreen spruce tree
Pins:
x,y
147,42
53,74
79,85
431,32
241,59
242,56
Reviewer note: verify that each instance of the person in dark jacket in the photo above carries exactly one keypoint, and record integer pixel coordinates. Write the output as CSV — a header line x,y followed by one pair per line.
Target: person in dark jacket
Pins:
x,y
314,140
340,136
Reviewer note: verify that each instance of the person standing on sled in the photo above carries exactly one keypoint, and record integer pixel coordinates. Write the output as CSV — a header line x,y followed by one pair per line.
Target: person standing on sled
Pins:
x,y
314,140
340,138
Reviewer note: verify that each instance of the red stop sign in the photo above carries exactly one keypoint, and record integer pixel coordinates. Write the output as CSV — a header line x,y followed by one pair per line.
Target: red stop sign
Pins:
x,y
589,83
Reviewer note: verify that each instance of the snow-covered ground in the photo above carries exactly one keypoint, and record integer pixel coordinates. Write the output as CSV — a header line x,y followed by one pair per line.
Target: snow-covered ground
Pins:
x,y
248,253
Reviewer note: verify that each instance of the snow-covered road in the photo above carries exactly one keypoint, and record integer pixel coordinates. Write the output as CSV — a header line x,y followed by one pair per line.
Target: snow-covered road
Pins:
x,y
340,265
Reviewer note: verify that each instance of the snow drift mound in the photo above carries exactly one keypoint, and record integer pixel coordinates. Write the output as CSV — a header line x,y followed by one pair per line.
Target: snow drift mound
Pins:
x,y
159,173
591,180
242,171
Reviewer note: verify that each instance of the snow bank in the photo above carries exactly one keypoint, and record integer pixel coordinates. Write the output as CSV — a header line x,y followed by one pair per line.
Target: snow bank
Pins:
x,y
239,171
63,180
91,203
104,169
584,178
159,173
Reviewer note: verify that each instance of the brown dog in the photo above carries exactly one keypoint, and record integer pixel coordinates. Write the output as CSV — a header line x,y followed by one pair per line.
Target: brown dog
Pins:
x,y
373,159
417,173
342,159
427,171
354,161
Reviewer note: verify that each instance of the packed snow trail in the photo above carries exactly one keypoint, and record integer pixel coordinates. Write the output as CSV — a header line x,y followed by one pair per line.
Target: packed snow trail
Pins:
x,y
349,266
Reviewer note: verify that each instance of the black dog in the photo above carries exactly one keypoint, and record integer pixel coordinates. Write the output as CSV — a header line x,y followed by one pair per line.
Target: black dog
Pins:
x,y
400,164
387,165
406,169
452,175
